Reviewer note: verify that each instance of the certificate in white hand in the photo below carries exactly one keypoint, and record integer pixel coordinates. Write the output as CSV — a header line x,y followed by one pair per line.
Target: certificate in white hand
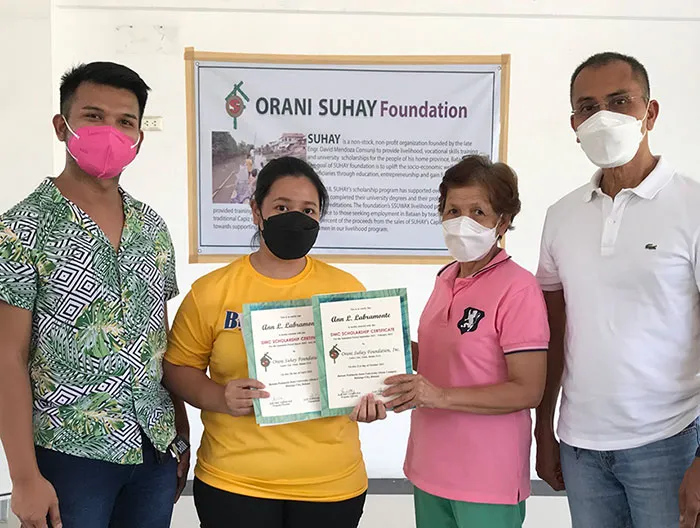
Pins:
x,y
281,346
362,339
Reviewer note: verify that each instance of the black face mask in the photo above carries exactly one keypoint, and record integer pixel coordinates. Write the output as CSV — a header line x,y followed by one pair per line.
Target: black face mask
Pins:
x,y
290,235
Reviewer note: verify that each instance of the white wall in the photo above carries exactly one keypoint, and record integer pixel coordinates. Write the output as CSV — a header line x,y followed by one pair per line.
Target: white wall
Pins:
x,y
26,97
546,38
25,109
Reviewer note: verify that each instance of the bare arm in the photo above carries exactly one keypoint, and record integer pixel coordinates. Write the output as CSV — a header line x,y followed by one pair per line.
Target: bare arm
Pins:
x,y
182,423
195,387
556,315
33,497
16,429
522,390
182,427
199,390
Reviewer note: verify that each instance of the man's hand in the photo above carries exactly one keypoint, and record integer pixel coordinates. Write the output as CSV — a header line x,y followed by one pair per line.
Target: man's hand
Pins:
x,y
548,461
368,410
33,501
240,394
412,390
183,470
689,496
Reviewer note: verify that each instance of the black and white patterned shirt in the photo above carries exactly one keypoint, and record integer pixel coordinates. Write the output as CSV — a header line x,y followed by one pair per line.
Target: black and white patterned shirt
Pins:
x,y
99,329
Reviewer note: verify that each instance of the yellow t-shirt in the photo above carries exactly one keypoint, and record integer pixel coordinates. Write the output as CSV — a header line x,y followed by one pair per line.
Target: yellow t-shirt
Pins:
x,y
317,460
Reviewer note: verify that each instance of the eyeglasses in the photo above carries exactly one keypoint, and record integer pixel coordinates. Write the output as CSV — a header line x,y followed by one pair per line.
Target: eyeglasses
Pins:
x,y
620,104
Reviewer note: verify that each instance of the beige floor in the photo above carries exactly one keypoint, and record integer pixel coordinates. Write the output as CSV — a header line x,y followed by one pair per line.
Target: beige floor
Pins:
x,y
396,511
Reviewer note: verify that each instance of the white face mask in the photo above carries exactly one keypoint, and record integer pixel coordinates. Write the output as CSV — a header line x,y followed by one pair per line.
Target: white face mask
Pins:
x,y
610,139
467,240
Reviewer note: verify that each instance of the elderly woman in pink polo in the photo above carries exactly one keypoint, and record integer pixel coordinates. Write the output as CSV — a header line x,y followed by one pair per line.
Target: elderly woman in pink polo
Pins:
x,y
481,363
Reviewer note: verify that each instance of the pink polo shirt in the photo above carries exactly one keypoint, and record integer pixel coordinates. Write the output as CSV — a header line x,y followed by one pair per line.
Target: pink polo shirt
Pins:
x,y
466,330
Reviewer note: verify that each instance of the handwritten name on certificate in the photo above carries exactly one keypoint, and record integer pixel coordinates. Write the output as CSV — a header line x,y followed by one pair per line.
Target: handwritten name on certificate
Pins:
x,y
362,339
281,347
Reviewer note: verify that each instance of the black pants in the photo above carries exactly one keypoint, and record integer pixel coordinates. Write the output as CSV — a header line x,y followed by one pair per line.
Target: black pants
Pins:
x,y
220,509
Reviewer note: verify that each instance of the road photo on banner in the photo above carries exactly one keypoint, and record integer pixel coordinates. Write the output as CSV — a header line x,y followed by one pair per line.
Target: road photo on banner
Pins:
x,y
235,165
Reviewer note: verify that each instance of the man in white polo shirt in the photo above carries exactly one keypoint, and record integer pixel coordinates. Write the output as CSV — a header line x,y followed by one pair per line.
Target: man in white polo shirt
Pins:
x,y
620,267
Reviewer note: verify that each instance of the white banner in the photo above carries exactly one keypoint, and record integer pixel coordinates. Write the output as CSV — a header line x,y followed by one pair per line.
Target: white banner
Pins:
x,y
380,137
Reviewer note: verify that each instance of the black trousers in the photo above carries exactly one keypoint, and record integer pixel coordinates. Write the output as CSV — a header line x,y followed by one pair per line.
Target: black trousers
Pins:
x,y
220,509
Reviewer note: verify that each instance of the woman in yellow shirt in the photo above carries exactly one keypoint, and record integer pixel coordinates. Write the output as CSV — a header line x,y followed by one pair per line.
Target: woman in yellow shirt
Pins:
x,y
308,474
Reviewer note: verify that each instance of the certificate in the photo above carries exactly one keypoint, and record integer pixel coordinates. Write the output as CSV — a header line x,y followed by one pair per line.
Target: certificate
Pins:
x,y
361,339
281,347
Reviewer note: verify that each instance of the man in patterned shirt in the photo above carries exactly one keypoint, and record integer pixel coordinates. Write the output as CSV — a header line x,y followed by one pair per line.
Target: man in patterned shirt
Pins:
x,y
85,274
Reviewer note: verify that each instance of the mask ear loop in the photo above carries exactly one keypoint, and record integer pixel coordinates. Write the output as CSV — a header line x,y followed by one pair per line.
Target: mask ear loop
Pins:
x,y
644,119
498,237
498,222
137,141
262,223
133,147
69,127
74,135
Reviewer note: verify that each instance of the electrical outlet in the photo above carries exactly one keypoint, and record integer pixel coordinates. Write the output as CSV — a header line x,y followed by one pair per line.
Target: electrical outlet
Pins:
x,y
153,123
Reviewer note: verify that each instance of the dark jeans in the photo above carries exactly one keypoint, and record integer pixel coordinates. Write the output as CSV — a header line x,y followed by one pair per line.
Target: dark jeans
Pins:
x,y
220,509
97,494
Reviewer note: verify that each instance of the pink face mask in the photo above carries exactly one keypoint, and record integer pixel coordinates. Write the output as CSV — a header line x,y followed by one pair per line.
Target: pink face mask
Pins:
x,y
101,151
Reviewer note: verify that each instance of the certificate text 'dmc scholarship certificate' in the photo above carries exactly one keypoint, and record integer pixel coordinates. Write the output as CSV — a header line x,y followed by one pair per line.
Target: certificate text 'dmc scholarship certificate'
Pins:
x,y
361,339
281,347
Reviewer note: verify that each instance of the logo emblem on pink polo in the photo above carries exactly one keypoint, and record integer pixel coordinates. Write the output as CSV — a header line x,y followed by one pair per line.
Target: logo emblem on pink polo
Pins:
x,y
470,321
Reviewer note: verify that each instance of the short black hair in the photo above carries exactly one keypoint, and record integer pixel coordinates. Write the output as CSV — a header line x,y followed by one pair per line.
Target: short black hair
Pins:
x,y
107,74
607,57
288,166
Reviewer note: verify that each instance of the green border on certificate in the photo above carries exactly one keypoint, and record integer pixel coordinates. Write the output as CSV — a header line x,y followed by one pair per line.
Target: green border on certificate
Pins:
x,y
248,309
320,346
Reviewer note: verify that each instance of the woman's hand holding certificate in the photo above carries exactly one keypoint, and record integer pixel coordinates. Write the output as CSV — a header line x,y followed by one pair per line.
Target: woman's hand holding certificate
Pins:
x,y
325,356
240,394
368,410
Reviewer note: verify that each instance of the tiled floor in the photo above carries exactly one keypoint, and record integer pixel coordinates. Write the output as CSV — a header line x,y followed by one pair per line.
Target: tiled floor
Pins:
x,y
396,511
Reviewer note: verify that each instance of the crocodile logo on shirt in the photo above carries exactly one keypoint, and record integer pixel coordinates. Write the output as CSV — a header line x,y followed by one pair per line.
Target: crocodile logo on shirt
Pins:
x,y
470,321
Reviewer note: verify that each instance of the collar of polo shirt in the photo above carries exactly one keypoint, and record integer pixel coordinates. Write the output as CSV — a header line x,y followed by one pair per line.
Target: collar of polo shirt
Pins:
x,y
648,189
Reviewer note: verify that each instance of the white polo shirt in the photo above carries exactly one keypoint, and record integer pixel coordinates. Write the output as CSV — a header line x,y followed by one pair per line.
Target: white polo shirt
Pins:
x,y
630,275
